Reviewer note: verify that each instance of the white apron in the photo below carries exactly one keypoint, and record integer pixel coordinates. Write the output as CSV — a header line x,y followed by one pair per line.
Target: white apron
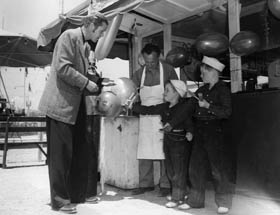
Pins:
x,y
150,142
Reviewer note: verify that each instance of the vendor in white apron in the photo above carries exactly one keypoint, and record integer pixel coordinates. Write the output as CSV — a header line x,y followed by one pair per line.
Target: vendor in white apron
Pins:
x,y
151,79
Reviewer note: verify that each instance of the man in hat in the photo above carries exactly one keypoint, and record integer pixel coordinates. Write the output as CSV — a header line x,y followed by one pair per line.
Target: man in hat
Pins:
x,y
211,105
63,102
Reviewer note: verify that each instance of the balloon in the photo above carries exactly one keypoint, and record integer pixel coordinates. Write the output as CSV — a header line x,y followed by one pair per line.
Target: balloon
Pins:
x,y
212,44
105,43
124,88
244,43
109,104
274,7
178,57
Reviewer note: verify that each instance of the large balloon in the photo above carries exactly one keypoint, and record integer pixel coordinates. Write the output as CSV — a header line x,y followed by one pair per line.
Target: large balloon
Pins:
x,y
105,43
112,101
124,89
244,43
274,7
109,104
178,57
212,44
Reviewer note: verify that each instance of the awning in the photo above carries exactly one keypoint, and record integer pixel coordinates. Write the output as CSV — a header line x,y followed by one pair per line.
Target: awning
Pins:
x,y
17,50
110,8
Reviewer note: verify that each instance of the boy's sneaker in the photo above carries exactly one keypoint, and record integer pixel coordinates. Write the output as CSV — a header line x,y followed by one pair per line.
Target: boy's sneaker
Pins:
x,y
222,210
171,204
184,206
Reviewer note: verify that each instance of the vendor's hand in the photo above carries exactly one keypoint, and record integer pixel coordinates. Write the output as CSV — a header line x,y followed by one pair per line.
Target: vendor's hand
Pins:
x,y
92,87
108,82
203,103
189,136
167,127
128,104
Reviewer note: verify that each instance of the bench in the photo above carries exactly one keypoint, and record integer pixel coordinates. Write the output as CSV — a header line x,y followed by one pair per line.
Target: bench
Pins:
x,y
13,124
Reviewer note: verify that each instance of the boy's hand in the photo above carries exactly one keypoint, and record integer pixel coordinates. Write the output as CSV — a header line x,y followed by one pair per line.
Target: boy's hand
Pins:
x,y
189,136
203,103
167,127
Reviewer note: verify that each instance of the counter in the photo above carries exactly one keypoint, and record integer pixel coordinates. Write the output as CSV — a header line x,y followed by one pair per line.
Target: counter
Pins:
x,y
117,151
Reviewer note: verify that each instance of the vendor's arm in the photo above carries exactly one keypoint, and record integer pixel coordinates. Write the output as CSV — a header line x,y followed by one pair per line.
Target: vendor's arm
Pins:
x,y
137,77
149,110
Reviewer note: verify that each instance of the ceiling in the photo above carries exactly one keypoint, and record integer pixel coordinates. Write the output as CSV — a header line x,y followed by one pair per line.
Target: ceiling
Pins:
x,y
150,17
189,19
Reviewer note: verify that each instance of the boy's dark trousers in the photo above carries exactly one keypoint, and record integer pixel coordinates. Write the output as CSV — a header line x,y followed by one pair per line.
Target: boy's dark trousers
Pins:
x,y
177,151
207,158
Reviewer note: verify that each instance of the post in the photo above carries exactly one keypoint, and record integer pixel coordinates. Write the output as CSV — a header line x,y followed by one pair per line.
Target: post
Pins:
x,y
136,49
167,38
234,9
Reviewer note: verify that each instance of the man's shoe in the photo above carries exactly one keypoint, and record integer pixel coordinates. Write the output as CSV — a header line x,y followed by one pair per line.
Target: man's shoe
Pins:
x,y
222,210
163,192
69,209
141,190
92,200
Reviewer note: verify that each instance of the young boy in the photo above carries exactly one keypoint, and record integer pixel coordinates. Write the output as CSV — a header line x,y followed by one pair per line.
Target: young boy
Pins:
x,y
177,128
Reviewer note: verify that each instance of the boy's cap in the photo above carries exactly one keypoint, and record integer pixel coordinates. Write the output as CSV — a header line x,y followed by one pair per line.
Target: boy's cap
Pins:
x,y
213,62
180,87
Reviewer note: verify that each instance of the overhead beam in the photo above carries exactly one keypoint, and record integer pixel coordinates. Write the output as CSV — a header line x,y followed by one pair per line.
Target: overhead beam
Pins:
x,y
149,33
245,11
212,5
251,9
182,39
203,8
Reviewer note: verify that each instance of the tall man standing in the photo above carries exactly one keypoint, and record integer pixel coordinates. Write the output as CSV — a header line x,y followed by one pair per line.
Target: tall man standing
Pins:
x,y
64,104
150,79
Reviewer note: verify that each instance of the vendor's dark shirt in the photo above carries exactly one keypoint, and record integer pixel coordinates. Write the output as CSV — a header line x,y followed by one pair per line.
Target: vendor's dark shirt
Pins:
x,y
178,116
220,102
153,78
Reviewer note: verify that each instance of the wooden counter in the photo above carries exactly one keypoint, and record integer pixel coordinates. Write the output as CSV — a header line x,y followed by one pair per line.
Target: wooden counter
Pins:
x,y
117,153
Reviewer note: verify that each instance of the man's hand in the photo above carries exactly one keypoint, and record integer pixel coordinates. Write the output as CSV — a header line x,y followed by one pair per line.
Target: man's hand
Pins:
x,y
108,82
92,87
189,136
203,103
